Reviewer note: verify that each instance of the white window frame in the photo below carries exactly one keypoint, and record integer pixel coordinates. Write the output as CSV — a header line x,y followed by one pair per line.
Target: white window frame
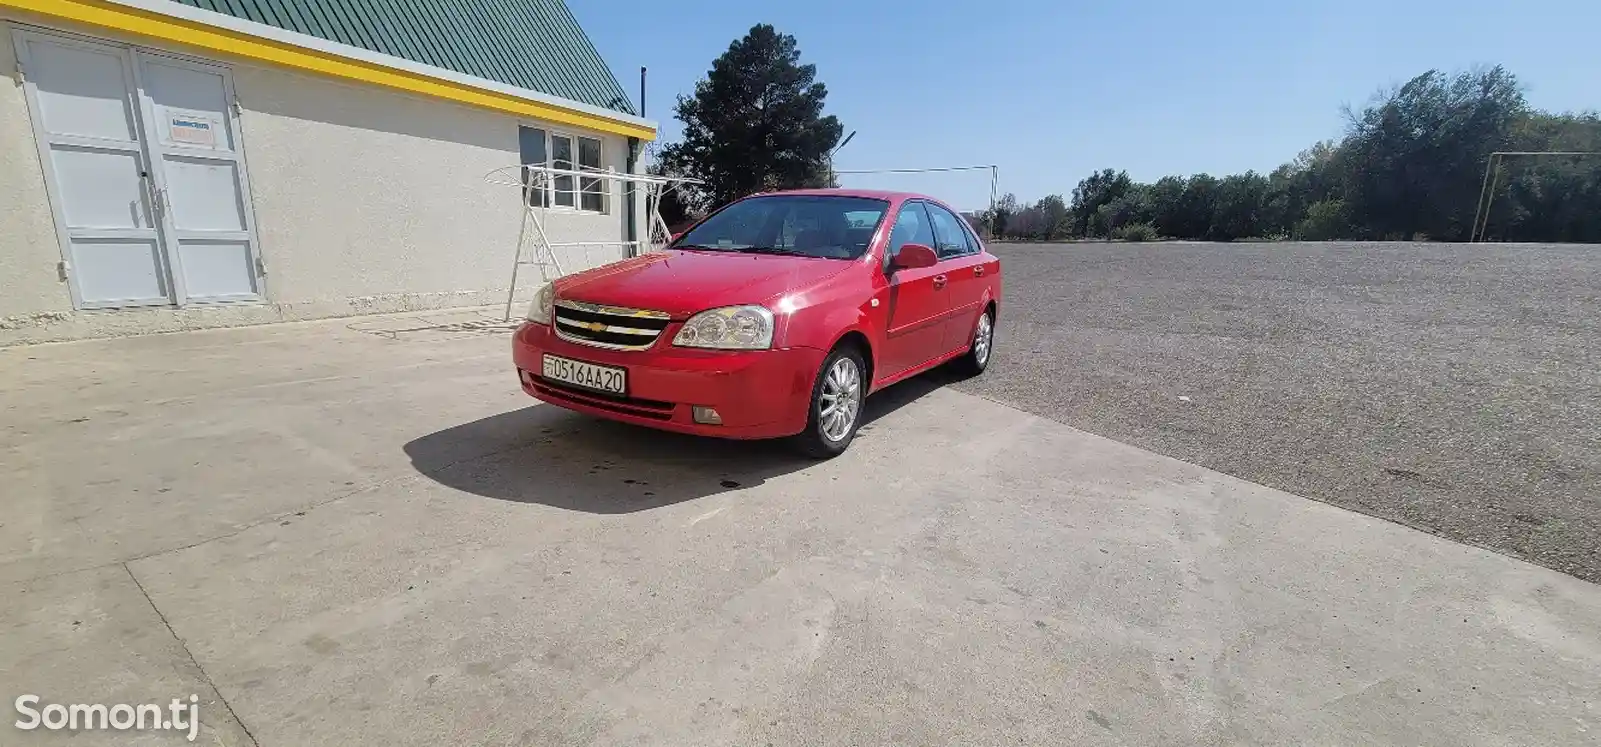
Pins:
x,y
578,191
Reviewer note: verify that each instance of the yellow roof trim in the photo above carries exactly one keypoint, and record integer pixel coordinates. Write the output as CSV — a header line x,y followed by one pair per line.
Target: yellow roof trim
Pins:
x,y
237,44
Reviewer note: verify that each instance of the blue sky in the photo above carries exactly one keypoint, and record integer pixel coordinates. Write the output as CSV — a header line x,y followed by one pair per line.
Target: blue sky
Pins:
x,y
1050,91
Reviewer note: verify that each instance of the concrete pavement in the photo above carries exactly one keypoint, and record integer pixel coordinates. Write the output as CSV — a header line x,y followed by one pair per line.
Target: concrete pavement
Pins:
x,y
364,533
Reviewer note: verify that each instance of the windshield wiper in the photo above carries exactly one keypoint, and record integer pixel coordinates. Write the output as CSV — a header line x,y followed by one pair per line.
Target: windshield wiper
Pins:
x,y
699,247
777,250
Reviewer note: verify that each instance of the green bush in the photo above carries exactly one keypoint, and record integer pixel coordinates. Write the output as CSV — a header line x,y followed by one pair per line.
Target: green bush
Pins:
x,y
1135,232
1324,221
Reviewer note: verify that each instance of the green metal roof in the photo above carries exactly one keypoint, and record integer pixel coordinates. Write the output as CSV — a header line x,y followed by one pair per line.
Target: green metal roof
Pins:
x,y
533,44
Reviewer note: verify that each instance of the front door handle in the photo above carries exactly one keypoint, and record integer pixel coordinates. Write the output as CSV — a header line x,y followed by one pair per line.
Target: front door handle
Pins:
x,y
939,282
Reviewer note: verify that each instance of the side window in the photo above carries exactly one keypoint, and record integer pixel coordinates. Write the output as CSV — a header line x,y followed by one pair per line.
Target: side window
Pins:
x,y
911,227
974,246
948,232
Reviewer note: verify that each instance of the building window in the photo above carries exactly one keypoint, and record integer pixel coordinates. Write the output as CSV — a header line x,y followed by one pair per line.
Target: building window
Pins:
x,y
538,147
593,194
531,151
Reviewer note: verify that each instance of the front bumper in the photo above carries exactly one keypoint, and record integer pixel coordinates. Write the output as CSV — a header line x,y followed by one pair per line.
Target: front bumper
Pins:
x,y
758,393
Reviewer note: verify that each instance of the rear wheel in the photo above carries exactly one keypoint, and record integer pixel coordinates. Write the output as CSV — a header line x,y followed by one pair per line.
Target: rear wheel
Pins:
x,y
980,346
836,407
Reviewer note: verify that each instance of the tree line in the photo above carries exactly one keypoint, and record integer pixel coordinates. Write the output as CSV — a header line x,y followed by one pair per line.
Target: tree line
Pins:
x,y
1410,166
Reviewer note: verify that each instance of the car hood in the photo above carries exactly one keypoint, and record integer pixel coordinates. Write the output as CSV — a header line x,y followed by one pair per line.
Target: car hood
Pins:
x,y
682,283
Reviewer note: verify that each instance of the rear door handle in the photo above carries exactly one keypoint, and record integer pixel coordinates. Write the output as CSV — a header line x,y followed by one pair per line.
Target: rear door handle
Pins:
x,y
939,282
978,271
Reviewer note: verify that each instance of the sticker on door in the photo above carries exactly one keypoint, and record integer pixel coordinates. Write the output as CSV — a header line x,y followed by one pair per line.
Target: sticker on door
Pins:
x,y
192,130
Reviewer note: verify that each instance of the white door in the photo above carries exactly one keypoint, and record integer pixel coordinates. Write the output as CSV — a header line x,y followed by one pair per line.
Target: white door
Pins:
x,y
145,173
199,177
100,184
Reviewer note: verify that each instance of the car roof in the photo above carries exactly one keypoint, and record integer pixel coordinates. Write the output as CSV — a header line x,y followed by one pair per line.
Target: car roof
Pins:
x,y
876,194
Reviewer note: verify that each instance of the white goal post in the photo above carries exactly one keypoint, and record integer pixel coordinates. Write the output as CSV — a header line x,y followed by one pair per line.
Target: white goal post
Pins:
x,y
1481,213
534,246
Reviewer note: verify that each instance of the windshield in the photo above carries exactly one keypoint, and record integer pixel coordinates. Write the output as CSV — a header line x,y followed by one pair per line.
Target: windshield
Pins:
x,y
823,226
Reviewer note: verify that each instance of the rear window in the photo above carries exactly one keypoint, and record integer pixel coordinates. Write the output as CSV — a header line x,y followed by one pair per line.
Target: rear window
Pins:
x,y
824,226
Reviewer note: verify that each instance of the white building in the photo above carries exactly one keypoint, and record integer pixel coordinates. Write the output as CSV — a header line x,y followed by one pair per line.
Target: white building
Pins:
x,y
166,166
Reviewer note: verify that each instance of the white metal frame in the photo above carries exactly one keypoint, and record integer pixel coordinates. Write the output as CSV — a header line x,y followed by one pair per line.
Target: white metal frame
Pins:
x,y
146,152
534,246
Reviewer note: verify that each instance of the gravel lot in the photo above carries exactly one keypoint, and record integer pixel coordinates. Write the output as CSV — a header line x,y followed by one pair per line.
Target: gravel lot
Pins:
x,y
1453,388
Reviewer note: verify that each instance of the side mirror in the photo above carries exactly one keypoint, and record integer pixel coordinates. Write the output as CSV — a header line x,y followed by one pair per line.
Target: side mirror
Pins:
x,y
912,257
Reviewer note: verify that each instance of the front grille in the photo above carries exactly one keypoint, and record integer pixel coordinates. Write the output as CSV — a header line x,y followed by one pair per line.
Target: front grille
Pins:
x,y
608,326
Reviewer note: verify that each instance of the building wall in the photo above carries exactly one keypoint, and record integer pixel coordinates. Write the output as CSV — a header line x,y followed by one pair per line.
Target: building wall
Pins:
x,y
30,291
362,194
365,201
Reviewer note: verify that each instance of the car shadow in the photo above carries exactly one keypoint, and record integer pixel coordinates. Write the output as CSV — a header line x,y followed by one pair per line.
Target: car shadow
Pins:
x,y
547,455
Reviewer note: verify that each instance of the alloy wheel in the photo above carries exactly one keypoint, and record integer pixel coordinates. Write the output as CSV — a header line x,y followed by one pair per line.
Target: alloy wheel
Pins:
x,y
981,339
841,399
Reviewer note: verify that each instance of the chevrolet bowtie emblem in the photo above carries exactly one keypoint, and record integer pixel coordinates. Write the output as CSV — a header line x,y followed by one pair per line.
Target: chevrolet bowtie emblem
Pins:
x,y
594,326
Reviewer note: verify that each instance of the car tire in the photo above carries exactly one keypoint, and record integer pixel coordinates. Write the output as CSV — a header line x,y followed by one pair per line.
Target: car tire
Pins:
x,y
980,348
841,382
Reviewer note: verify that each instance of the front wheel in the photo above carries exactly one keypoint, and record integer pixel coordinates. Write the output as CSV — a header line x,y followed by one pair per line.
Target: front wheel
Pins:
x,y
836,406
980,347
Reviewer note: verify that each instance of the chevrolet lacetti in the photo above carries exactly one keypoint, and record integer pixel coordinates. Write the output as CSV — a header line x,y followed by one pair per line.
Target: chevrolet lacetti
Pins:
x,y
773,317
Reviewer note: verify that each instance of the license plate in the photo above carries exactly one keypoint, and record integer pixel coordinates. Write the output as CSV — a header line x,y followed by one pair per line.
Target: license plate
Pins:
x,y
586,375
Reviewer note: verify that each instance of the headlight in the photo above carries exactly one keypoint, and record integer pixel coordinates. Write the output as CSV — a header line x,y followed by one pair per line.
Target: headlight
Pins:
x,y
544,305
728,328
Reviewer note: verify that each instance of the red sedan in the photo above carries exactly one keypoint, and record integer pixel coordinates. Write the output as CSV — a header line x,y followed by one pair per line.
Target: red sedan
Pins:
x,y
775,316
